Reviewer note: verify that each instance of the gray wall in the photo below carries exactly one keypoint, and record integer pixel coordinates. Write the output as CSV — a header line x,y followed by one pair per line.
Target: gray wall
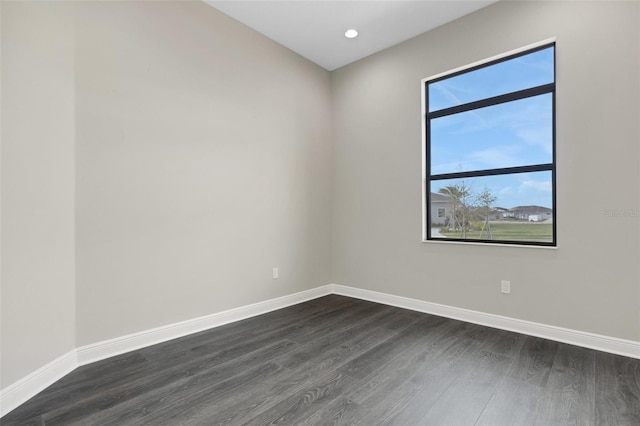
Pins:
x,y
38,272
203,161
591,282
191,153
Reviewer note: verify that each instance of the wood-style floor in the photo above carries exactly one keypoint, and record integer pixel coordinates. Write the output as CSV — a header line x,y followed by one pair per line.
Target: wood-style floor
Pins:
x,y
337,360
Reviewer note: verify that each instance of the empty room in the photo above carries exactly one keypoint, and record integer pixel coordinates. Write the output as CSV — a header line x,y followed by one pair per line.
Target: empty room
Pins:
x,y
317,212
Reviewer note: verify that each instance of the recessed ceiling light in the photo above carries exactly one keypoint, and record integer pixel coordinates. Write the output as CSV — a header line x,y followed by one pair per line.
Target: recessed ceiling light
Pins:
x,y
351,33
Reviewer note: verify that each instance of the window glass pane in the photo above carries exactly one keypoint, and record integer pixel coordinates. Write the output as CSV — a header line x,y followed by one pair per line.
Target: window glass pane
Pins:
x,y
515,207
524,72
511,134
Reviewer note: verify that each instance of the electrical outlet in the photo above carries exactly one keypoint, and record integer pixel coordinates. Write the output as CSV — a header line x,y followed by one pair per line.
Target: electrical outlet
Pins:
x,y
275,273
505,286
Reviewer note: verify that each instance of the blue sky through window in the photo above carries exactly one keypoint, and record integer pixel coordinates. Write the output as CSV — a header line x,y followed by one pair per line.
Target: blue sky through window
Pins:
x,y
507,135
511,134
534,69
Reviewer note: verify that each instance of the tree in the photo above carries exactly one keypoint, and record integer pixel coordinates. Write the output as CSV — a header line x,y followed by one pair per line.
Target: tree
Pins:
x,y
485,201
460,194
452,192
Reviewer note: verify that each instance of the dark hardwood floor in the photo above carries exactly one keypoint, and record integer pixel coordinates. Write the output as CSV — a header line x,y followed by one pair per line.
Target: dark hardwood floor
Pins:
x,y
337,360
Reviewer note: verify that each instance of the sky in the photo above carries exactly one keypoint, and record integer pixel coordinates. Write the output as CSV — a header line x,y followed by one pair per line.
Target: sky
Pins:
x,y
507,135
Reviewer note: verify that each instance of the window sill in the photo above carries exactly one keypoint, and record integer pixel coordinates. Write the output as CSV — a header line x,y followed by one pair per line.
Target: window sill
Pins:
x,y
471,243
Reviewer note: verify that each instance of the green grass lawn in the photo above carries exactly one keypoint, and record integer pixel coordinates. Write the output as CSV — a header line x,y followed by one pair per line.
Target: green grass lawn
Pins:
x,y
524,231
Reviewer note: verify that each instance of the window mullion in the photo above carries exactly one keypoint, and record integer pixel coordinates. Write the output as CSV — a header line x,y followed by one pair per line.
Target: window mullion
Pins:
x,y
496,100
494,172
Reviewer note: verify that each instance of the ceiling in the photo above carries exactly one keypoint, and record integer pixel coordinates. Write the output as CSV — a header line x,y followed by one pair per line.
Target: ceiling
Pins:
x,y
315,28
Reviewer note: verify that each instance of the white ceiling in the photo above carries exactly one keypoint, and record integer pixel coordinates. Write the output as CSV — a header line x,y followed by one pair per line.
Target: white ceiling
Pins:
x,y
315,28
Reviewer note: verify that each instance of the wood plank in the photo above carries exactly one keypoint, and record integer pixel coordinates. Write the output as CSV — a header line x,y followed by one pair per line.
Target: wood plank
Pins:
x,y
340,411
399,319
84,381
426,387
514,403
534,361
335,349
617,393
379,355
403,367
306,402
388,389
171,404
445,354
569,395
264,395
182,348
165,377
320,327
502,342
463,401
17,419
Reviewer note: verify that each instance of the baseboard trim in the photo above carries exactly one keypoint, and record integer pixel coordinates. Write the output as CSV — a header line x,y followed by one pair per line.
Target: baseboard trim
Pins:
x,y
108,348
21,391
29,386
598,342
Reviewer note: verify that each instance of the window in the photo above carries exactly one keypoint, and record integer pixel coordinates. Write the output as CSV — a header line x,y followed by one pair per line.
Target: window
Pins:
x,y
489,151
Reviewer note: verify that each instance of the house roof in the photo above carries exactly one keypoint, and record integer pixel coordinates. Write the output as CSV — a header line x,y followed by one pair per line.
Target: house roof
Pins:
x,y
435,197
532,209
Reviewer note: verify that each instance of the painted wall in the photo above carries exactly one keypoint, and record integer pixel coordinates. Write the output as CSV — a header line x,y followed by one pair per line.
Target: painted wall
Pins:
x,y
592,281
158,159
203,160
37,298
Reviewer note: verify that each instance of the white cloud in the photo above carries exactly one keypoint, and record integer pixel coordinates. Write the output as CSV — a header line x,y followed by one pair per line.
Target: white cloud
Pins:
x,y
498,157
529,184
447,89
539,137
506,191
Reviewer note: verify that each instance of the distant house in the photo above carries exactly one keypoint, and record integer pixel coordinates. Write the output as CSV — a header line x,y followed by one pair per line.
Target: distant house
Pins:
x,y
498,213
530,213
441,208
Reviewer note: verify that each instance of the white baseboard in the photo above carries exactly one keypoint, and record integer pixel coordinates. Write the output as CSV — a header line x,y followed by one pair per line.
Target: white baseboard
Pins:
x,y
29,386
108,348
598,342
21,391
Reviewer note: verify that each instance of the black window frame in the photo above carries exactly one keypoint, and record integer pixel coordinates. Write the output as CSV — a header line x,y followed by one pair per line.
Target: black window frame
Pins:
x,y
483,103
